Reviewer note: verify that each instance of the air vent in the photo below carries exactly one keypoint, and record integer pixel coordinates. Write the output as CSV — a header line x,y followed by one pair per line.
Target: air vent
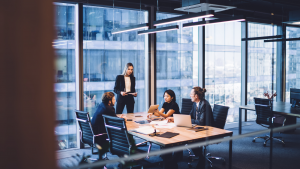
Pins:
x,y
204,7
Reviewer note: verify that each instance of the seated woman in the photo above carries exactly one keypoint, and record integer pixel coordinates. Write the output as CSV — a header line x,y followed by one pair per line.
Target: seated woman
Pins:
x,y
169,107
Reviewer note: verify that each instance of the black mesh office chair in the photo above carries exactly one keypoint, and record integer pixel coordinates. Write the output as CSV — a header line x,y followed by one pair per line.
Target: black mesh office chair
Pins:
x,y
219,115
119,139
87,135
186,106
266,118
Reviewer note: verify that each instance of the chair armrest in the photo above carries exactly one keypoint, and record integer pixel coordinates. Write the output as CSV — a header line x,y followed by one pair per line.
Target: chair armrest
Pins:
x,y
141,143
100,134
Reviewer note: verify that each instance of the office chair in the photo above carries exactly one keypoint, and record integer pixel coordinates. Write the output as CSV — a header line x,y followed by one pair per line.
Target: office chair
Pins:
x,y
219,119
265,118
87,135
120,141
186,106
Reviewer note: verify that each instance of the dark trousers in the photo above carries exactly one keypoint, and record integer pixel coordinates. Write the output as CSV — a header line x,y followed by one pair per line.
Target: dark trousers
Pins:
x,y
128,101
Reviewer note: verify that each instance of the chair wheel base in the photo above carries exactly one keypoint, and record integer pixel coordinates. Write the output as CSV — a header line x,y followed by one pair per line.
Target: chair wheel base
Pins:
x,y
253,141
265,144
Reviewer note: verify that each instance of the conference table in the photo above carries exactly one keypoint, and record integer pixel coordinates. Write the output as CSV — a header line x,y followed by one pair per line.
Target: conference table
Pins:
x,y
282,108
185,136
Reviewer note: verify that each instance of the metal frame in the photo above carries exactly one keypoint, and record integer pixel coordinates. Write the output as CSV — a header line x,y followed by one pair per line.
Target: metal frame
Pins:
x,y
201,57
152,57
79,61
244,74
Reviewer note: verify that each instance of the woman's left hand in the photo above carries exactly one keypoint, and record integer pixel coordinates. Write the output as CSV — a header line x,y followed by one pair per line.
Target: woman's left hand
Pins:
x,y
135,94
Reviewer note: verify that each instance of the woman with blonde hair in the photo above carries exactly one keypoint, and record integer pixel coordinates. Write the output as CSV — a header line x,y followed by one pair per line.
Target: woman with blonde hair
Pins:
x,y
125,90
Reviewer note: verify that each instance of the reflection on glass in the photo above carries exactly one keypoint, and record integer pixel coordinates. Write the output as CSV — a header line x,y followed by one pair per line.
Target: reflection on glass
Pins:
x,y
177,60
105,54
260,62
223,66
64,86
292,61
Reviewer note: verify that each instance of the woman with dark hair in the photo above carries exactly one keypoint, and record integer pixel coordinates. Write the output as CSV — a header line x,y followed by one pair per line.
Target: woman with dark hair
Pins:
x,y
169,107
125,90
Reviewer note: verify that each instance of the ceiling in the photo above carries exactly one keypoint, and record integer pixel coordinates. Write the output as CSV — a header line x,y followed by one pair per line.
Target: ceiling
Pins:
x,y
268,11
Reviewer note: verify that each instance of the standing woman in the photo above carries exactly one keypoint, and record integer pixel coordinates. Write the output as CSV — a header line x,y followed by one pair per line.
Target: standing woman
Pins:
x,y
125,90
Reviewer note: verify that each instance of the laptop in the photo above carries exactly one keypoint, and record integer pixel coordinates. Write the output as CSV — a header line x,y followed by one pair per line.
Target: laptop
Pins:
x,y
182,120
152,108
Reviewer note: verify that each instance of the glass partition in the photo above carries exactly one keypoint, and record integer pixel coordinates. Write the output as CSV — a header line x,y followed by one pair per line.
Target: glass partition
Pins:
x,y
105,54
292,61
64,87
260,63
176,60
223,66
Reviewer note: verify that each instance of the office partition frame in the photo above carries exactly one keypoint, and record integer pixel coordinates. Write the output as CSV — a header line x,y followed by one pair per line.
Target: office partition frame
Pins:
x,y
79,63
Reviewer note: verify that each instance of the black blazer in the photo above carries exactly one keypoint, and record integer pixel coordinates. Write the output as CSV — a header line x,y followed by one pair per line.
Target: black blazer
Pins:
x,y
206,119
98,121
120,86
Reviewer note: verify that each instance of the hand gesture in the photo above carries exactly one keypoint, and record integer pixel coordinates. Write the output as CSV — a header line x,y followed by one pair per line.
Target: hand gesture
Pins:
x,y
124,93
170,119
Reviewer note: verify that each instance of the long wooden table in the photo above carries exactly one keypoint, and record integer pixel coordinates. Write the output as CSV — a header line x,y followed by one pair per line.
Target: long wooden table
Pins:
x,y
283,108
185,136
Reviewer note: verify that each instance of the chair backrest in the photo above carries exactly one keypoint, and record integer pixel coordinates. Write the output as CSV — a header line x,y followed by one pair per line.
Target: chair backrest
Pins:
x,y
87,134
263,111
186,106
220,115
117,134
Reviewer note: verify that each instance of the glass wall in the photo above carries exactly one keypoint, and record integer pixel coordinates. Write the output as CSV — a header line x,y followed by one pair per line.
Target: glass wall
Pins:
x,y
105,54
223,66
260,65
292,61
177,60
64,86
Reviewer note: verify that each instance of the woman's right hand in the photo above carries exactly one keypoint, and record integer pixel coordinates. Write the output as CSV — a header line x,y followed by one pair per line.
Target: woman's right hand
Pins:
x,y
124,93
149,115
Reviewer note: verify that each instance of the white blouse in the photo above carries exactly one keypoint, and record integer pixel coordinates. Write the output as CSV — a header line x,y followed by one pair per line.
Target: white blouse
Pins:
x,y
127,84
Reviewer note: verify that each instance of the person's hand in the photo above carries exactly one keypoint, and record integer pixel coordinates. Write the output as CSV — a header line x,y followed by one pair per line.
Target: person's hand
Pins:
x,y
124,117
124,93
135,94
149,115
170,119
156,111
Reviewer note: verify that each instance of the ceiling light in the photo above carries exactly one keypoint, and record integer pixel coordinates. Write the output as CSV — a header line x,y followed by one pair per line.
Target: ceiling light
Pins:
x,y
184,18
216,21
168,28
130,28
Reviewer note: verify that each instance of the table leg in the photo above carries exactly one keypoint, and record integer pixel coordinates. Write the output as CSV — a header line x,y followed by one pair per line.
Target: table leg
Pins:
x,y
230,154
240,121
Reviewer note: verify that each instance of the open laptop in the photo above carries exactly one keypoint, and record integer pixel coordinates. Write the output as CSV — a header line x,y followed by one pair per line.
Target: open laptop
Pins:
x,y
152,108
182,120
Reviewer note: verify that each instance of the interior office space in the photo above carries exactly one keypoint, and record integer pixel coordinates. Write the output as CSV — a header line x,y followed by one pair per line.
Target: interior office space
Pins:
x,y
47,47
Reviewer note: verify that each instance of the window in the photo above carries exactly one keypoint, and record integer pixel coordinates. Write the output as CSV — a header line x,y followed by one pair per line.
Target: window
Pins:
x,y
64,87
177,60
223,66
260,65
105,54
292,61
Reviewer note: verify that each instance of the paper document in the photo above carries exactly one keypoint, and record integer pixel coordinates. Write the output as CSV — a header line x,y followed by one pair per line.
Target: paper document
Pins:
x,y
145,130
159,122
167,125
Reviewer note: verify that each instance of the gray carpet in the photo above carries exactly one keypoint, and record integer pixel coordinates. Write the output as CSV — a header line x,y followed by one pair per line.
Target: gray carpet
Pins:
x,y
246,154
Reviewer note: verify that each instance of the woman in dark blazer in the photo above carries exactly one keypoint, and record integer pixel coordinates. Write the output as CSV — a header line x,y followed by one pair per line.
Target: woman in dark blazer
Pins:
x,y
125,90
